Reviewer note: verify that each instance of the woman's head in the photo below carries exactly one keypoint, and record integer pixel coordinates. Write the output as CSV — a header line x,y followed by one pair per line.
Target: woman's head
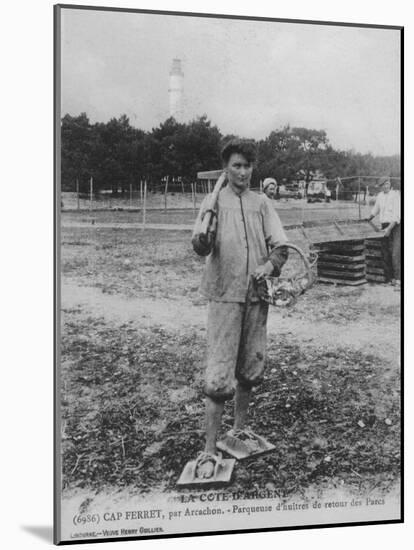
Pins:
x,y
238,158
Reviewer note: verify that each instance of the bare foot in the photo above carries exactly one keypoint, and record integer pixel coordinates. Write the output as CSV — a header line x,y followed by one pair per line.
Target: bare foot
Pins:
x,y
205,470
206,464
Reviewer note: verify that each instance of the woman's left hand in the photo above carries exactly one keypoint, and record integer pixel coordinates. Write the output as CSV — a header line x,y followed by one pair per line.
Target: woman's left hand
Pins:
x,y
263,270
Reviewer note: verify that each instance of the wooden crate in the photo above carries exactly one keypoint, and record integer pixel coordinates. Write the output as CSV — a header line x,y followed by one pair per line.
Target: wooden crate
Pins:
x,y
375,265
342,262
349,251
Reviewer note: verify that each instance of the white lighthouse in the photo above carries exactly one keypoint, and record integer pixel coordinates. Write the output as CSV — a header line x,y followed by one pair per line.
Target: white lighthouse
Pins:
x,y
176,90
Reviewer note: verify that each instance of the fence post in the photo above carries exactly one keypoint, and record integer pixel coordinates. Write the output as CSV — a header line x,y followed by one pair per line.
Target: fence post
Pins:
x,y
193,192
144,212
165,193
130,195
77,194
90,193
359,197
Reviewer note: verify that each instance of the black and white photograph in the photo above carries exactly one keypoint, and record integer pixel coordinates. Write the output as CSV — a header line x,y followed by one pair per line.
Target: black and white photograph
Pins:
x,y
228,206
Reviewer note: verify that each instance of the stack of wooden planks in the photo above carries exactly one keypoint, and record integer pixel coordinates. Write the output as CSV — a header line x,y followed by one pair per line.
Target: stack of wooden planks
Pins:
x,y
374,261
342,262
349,251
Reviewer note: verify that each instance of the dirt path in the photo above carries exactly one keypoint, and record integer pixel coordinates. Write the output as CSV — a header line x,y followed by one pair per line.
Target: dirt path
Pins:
x,y
173,315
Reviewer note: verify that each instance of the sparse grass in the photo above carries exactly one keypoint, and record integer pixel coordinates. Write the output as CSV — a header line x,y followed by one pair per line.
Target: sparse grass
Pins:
x,y
133,412
156,264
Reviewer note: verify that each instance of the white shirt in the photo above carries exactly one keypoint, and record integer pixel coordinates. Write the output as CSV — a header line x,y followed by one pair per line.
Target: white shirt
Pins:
x,y
387,206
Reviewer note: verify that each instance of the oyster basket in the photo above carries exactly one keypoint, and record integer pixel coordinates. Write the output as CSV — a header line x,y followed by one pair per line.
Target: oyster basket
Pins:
x,y
284,291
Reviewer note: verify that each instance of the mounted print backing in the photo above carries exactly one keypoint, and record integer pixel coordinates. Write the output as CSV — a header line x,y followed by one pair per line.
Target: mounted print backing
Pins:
x,y
228,274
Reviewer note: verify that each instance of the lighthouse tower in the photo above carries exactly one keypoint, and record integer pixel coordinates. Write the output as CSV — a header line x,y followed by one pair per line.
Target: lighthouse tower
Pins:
x,y
175,90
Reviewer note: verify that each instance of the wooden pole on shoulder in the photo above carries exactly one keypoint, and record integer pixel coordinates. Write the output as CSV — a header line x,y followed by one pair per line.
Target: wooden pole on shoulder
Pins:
x,y
205,224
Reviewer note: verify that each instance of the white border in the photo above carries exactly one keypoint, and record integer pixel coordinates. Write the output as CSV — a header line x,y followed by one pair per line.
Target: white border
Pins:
x,y
26,288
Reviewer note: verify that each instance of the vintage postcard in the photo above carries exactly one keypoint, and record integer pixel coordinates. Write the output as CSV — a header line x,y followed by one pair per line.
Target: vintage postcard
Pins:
x,y
228,273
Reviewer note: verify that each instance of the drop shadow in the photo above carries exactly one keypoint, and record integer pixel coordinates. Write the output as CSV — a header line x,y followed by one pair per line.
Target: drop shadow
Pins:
x,y
43,532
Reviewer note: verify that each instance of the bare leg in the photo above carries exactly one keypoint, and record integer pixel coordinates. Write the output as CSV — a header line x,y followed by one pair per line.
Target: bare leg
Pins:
x,y
214,412
241,405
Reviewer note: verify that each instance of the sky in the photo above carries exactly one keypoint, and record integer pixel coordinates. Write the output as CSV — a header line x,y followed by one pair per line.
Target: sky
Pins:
x,y
248,77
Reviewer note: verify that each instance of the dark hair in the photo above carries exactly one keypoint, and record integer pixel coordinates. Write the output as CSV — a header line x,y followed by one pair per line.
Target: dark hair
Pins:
x,y
243,147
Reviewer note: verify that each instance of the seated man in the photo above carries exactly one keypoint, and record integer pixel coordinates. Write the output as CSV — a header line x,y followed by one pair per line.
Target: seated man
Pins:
x,y
247,231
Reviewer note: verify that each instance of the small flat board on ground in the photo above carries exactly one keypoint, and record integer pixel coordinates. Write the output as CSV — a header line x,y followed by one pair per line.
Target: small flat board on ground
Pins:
x,y
342,281
237,448
222,477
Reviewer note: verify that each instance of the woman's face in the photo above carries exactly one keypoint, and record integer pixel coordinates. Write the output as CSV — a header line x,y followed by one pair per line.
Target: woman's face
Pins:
x,y
386,187
239,171
270,190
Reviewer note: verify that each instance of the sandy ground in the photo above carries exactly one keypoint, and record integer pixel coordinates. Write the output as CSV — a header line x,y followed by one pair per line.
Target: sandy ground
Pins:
x,y
327,318
175,314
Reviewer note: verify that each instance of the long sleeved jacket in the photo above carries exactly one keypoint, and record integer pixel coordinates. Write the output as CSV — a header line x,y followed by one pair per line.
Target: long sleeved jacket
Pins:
x,y
387,205
248,229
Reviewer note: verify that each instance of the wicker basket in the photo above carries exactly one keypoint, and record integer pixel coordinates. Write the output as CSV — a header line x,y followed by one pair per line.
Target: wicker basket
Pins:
x,y
284,291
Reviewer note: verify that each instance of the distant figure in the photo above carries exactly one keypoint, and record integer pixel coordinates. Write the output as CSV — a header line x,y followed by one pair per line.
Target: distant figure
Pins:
x,y
387,206
269,188
328,193
337,188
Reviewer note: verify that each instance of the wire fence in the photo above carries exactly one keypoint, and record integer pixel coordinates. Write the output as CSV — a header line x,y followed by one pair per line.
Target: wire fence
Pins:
x,y
350,197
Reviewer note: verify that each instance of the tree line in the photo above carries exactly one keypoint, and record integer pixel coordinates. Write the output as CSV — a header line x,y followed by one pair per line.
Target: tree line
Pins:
x,y
117,155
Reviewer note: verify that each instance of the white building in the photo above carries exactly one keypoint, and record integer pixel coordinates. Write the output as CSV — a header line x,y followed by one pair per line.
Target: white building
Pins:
x,y
176,91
